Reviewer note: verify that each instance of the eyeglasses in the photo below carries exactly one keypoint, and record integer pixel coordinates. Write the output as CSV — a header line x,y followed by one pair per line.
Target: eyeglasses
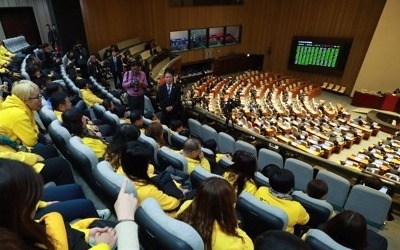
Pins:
x,y
39,96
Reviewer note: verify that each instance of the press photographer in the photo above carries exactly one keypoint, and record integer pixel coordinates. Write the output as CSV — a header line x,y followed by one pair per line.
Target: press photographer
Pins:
x,y
135,83
227,107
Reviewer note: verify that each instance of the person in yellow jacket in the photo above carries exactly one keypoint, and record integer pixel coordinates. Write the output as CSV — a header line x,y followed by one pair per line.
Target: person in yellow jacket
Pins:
x,y
19,135
123,135
87,95
4,51
76,123
18,230
135,158
194,156
241,173
279,195
61,102
212,214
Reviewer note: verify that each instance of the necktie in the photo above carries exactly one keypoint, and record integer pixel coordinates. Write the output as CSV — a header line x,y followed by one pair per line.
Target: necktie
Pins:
x,y
169,90
115,63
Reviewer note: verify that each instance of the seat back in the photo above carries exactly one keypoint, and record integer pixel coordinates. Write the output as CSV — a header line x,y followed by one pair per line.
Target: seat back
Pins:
x,y
112,119
319,210
157,230
226,143
199,174
208,133
84,159
258,216
148,106
153,146
372,204
261,179
195,127
99,110
245,146
267,156
338,188
177,140
47,115
109,182
167,157
319,240
303,173
60,137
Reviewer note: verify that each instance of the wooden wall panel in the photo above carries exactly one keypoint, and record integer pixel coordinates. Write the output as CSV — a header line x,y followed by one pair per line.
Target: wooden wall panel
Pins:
x,y
268,27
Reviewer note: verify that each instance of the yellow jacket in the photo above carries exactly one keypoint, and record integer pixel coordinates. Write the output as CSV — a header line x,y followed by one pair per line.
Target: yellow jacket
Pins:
x,y
89,98
297,214
249,186
97,145
221,240
192,164
18,122
4,51
167,203
55,228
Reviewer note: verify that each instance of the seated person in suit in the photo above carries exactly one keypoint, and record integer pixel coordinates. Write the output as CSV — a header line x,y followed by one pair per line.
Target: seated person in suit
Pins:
x,y
212,214
194,156
241,173
279,195
76,123
135,159
88,96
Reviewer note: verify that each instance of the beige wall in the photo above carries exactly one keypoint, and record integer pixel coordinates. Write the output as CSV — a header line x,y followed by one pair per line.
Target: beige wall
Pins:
x,y
381,67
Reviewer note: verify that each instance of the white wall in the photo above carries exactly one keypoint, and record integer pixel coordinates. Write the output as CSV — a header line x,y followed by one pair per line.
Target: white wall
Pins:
x,y
381,67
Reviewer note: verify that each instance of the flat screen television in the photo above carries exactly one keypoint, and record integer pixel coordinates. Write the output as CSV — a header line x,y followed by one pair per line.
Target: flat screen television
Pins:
x,y
323,55
179,40
232,34
216,37
198,38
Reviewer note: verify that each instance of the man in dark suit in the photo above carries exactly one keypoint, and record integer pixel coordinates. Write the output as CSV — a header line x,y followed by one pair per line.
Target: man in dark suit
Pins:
x,y
116,67
169,98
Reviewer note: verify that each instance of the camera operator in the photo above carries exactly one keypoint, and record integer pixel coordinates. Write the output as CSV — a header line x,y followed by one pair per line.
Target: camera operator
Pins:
x,y
135,82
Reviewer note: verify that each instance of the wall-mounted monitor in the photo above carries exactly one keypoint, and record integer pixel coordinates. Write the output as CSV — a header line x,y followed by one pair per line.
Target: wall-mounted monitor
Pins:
x,y
198,39
179,40
216,37
232,34
323,55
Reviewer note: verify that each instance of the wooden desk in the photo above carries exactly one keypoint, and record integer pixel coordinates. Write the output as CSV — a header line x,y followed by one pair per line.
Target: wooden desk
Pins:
x,y
367,131
319,134
283,139
362,162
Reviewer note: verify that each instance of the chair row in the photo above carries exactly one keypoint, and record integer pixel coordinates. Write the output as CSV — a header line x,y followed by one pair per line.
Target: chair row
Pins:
x,y
157,229
334,87
16,44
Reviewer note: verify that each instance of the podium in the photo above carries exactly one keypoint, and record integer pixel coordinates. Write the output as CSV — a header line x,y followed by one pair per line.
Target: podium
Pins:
x,y
390,102
367,100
